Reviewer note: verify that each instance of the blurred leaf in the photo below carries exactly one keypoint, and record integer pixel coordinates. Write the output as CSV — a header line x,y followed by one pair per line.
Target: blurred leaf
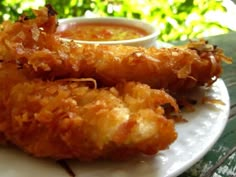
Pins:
x,y
176,20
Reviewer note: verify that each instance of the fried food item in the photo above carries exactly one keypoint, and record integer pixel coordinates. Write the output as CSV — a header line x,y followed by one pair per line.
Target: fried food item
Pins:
x,y
47,111
45,55
63,120
13,35
9,77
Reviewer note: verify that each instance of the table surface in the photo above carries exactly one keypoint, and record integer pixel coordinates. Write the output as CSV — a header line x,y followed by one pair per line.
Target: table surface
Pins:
x,y
220,161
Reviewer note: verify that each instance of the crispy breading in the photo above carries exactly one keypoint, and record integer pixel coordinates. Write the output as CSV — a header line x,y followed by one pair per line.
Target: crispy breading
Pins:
x,y
48,109
9,77
64,120
36,47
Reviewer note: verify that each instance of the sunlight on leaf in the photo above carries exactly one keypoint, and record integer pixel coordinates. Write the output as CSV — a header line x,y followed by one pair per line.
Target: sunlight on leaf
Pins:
x,y
174,19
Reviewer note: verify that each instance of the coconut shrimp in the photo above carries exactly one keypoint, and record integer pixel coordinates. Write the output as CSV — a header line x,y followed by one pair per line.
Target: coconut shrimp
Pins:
x,y
33,44
61,117
64,119
9,77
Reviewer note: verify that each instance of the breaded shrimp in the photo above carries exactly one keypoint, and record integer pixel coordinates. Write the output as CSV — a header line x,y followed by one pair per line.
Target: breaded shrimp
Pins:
x,y
45,55
63,120
9,77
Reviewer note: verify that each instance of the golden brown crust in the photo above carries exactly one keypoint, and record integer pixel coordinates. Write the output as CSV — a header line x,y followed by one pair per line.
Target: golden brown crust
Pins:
x,y
34,45
64,120
48,111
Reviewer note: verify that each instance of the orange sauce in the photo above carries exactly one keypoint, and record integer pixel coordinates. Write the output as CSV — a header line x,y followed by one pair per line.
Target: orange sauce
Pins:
x,y
99,32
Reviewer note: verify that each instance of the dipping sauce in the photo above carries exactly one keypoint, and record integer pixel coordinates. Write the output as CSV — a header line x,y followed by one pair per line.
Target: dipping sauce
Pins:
x,y
99,32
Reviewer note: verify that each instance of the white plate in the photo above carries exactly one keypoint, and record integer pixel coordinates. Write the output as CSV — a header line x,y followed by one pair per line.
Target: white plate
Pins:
x,y
195,138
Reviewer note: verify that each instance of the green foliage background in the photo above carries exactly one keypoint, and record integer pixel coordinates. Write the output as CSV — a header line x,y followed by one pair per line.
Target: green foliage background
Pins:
x,y
175,19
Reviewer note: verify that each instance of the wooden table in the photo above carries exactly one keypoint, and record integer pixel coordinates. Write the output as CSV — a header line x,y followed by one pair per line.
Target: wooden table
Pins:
x,y
220,161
